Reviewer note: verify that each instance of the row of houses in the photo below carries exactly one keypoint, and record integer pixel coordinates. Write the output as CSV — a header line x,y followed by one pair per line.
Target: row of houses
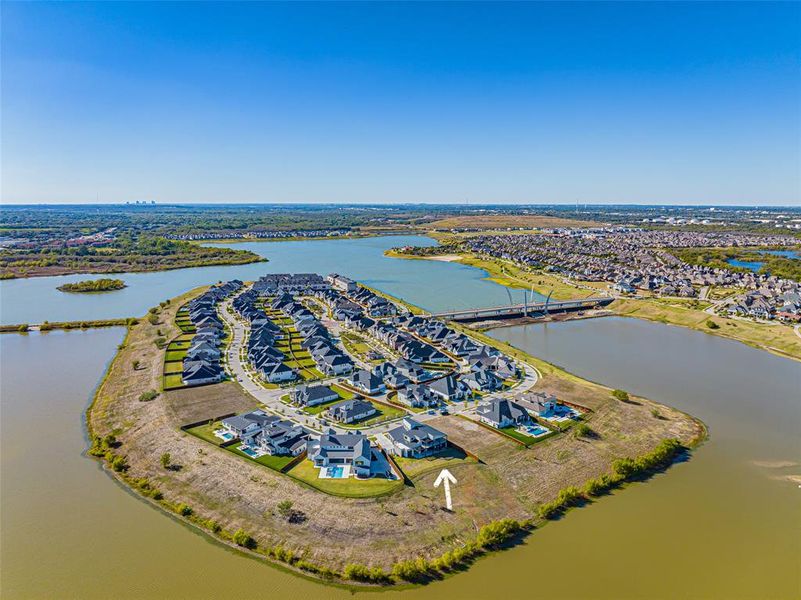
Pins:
x,y
261,348
202,363
261,433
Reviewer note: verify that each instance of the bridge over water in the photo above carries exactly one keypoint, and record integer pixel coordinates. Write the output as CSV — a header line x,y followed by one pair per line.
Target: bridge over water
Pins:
x,y
530,309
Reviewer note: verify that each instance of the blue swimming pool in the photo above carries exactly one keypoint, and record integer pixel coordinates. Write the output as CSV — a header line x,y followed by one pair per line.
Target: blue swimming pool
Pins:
x,y
536,430
336,472
249,451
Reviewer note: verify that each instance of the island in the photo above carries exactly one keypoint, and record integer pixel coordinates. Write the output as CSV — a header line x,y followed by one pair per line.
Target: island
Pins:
x,y
314,422
93,285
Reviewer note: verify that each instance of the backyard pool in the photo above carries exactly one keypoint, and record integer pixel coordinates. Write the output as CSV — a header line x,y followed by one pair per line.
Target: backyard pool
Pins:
x,y
336,472
535,430
225,436
251,452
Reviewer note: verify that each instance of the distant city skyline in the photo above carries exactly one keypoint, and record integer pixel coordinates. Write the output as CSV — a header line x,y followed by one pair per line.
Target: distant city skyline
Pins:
x,y
394,103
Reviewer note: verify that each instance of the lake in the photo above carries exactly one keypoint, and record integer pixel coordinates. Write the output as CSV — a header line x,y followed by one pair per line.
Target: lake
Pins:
x,y
724,524
757,265
433,285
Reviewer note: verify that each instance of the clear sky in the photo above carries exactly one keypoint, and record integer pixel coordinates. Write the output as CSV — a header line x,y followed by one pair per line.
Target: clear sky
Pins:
x,y
496,103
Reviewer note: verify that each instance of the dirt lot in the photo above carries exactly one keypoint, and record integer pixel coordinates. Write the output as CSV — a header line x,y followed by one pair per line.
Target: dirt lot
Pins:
x,y
237,492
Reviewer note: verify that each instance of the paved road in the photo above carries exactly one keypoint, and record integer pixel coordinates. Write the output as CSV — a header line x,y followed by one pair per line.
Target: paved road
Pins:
x,y
271,398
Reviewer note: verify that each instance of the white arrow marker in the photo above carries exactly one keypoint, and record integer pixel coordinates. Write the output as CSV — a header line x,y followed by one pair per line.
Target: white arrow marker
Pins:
x,y
446,476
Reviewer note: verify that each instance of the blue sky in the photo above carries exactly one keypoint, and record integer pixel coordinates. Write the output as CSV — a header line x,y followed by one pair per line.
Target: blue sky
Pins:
x,y
496,103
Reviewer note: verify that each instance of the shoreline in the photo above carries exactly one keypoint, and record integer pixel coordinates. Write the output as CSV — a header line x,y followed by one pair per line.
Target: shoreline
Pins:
x,y
197,522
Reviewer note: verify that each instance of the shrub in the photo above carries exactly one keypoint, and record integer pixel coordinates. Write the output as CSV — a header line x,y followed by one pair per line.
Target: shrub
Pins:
x,y
46,326
712,325
358,572
241,538
160,342
285,508
582,430
165,460
135,364
119,464
183,509
148,396
621,395
153,319
495,533
23,328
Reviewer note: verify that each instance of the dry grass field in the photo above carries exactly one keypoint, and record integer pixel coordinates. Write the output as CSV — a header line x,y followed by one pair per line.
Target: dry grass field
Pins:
x,y
504,221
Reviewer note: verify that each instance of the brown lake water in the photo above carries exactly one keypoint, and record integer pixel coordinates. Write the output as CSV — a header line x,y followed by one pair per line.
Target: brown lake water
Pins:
x,y
725,524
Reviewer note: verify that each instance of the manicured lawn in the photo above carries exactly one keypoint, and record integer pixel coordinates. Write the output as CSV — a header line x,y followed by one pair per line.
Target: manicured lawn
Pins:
x,y
273,462
173,367
174,355
174,346
526,439
318,408
343,393
351,487
173,381
206,433
186,337
448,458
385,413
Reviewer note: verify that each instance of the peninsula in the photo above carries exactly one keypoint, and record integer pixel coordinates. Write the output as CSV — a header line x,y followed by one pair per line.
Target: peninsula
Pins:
x,y
305,419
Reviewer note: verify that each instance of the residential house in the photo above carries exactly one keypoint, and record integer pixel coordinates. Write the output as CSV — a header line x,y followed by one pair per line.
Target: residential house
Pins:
x,y
413,440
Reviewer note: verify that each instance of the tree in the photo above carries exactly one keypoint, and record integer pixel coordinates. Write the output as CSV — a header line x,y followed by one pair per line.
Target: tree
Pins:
x,y
165,460
135,365
241,538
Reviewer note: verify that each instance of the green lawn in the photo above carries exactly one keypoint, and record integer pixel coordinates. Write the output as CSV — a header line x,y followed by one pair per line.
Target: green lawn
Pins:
x,y
522,437
448,458
174,346
385,413
186,337
206,433
174,355
273,462
343,393
173,381
173,367
351,487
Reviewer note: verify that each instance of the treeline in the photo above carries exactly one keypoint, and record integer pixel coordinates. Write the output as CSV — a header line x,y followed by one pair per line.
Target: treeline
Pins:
x,y
427,250
126,254
93,285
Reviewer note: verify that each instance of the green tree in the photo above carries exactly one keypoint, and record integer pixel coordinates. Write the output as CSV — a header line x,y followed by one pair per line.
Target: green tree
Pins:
x,y
165,460
285,508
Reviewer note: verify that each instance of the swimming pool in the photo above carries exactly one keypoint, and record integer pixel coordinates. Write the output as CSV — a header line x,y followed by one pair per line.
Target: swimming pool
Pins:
x,y
535,430
250,452
336,472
